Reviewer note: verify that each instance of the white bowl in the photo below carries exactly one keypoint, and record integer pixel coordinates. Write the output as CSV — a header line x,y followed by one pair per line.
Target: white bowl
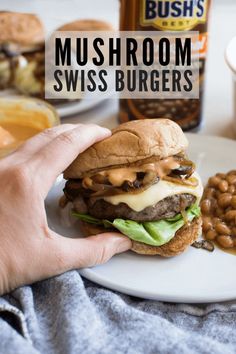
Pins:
x,y
230,57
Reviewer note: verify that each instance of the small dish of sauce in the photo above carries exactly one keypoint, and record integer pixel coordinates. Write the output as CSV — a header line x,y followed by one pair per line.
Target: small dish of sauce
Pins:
x,y
22,118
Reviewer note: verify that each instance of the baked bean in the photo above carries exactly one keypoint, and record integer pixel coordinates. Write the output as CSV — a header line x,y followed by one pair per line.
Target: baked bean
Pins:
x,y
233,231
214,205
211,235
216,220
206,206
217,193
214,181
228,209
219,212
234,240
232,172
231,189
222,229
231,179
224,200
225,241
206,224
230,215
209,192
223,186
233,202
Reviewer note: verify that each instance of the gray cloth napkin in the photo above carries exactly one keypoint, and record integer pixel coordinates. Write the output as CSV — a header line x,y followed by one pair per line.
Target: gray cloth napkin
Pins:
x,y
68,314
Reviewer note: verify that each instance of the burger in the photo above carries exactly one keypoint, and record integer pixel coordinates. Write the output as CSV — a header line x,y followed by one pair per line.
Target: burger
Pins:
x,y
89,25
139,181
86,25
22,53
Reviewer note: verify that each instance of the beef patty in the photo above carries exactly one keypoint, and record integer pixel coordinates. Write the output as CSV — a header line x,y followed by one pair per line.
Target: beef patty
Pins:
x,y
166,208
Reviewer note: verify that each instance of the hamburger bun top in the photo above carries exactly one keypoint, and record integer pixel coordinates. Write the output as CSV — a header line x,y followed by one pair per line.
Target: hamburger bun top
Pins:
x,y
20,28
86,25
130,142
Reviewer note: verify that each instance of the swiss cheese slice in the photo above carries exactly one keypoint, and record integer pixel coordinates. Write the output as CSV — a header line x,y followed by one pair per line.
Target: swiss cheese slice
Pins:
x,y
156,193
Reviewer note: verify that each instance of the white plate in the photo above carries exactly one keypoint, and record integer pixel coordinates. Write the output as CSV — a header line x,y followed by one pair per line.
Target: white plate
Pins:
x,y
195,276
67,109
70,108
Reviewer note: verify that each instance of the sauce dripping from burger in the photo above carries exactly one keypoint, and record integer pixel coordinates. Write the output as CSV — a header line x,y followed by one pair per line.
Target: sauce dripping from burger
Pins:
x,y
137,176
161,168
132,179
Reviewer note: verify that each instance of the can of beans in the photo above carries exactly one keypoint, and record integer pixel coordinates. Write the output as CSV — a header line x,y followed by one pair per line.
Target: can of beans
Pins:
x,y
167,15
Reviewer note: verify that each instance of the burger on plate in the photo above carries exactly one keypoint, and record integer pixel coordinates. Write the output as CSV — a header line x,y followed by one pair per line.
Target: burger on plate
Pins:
x,y
22,53
140,182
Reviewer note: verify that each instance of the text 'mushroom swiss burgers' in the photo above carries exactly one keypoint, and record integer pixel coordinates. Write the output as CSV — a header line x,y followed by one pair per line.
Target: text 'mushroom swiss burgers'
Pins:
x,y
140,182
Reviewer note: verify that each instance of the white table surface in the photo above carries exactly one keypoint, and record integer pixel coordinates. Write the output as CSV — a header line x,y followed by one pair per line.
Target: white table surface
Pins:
x,y
218,107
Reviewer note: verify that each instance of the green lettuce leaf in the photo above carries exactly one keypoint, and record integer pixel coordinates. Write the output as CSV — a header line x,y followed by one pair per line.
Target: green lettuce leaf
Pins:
x,y
91,220
154,233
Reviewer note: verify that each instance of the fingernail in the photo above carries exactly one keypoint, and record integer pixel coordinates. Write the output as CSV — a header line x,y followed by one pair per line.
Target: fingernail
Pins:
x,y
106,130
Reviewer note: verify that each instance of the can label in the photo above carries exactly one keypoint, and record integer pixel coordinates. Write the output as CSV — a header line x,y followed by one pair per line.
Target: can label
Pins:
x,y
172,15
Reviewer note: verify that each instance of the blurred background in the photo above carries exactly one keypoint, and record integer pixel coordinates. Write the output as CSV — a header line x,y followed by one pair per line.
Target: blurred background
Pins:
x,y
218,105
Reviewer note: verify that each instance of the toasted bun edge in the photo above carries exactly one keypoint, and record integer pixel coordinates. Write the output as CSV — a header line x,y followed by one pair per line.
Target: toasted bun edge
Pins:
x,y
14,27
86,25
131,142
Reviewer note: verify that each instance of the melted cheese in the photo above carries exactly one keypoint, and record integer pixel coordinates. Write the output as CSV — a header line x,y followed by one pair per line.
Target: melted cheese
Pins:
x,y
156,193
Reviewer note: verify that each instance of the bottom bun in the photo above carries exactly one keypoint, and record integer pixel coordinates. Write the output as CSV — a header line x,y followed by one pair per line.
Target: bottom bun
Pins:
x,y
183,238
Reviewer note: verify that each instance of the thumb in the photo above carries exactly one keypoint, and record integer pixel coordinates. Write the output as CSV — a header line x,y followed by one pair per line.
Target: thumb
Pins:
x,y
67,253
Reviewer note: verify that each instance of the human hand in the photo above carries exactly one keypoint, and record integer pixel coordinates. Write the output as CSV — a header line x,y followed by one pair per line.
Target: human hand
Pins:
x,y
30,251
